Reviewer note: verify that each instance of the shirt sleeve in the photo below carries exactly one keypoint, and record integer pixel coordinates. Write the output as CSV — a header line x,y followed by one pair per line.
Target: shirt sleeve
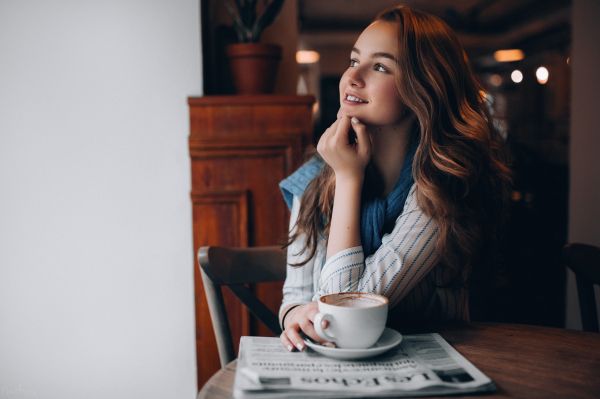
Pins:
x,y
298,286
406,255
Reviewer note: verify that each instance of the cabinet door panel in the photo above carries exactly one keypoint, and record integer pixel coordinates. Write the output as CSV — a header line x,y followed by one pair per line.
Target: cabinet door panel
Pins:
x,y
220,218
240,148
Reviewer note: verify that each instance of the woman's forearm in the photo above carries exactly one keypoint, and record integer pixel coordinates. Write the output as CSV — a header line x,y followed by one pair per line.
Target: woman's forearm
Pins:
x,y
344,229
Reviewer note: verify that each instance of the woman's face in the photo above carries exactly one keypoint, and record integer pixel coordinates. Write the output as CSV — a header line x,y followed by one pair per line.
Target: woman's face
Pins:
x,y
368,87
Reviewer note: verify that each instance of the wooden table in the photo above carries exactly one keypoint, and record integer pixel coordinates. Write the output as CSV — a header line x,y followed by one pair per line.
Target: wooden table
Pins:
x,y
524,361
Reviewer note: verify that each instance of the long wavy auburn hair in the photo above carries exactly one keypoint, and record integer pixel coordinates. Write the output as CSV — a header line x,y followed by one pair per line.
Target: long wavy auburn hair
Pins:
x,y
459,168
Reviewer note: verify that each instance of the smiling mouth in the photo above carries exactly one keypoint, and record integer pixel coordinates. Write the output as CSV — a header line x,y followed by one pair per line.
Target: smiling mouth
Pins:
x,y
355,99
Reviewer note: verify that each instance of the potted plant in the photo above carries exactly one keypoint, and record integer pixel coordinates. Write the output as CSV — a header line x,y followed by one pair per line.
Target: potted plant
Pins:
x,y
253,64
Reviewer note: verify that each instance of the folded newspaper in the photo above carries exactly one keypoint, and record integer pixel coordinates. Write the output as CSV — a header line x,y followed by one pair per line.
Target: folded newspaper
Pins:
x,y
422,365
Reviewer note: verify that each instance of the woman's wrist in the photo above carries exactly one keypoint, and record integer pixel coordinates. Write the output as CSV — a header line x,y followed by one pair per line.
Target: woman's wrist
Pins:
x,y
349,181
287,313
344,227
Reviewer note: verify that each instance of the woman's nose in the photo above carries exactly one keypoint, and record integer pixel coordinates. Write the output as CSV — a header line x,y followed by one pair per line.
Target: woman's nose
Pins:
x,y
355,77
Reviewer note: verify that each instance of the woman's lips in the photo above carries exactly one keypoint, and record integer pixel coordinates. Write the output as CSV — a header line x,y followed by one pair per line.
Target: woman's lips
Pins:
x,y
351,99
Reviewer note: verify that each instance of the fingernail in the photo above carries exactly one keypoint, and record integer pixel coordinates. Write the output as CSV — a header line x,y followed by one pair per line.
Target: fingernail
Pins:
x,y
354,120
300,346
290,348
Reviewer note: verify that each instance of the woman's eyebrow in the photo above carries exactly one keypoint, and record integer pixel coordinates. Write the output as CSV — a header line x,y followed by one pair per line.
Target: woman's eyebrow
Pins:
x,y
379,54
384,55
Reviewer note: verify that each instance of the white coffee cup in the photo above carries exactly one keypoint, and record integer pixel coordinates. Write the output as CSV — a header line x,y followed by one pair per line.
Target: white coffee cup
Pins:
x,y
356,319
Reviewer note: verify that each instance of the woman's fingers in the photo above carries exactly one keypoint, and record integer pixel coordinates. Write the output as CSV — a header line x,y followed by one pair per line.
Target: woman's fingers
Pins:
x,y
308,329
346,147
363,138
343,129
300,325
335,138
289,345
295,338
326,138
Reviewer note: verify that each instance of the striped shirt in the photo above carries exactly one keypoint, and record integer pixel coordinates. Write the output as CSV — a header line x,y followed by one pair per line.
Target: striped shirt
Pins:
x,y
404,268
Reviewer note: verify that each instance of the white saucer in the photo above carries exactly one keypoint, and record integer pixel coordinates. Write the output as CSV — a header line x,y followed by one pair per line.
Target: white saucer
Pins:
x,y
389,339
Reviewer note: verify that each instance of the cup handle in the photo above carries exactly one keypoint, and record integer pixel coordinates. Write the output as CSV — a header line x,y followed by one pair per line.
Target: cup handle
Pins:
x,y
319,318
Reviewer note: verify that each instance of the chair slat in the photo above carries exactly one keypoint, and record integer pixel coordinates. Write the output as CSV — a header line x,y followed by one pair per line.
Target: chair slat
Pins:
x,y
257,308
234,268
584,261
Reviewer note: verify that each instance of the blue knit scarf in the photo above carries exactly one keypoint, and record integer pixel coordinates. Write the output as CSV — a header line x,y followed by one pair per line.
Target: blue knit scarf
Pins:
x,y
378,215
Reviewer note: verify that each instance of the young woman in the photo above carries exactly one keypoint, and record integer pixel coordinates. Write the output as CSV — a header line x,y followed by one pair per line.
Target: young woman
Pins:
x,y
409,186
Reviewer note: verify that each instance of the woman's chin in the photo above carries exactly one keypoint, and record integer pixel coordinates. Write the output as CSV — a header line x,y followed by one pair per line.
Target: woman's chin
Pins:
x,y
364,116
353,110
365,119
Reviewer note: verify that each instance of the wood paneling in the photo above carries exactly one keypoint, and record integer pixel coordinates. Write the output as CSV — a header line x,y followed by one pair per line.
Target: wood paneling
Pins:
x,y
240,148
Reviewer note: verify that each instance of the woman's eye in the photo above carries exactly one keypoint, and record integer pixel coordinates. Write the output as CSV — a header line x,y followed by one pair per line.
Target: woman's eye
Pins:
x,y
380,68
353,62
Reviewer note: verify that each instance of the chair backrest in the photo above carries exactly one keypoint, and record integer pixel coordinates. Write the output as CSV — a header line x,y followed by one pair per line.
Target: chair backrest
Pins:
x,y
584,260
236,267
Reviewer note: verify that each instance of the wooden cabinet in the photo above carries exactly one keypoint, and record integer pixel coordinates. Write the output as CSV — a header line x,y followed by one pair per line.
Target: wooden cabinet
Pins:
x,y
240,148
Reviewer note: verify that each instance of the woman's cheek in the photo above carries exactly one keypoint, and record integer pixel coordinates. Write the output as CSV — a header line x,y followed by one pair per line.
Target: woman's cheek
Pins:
x,y
390,108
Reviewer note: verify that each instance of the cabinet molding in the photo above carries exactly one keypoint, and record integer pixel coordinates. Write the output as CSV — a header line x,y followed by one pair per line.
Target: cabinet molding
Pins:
x,y
240,147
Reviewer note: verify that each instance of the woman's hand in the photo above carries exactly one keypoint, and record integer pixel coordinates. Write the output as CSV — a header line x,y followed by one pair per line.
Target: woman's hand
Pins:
x,y
300,320
346,154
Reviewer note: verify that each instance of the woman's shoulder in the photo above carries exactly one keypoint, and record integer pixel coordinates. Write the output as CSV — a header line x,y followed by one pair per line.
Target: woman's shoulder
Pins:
x,y
412,208
411,199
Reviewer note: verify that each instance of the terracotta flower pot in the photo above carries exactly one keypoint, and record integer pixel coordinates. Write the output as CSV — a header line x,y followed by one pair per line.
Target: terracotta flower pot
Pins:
x,y
254,66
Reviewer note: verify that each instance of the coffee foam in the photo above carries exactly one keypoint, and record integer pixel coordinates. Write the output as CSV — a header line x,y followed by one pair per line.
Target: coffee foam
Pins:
x,y
357,302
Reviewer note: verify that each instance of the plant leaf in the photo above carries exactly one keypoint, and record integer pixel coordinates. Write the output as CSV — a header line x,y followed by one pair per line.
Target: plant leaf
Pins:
x,y
248,12
238,26
243,16
248,27
269,14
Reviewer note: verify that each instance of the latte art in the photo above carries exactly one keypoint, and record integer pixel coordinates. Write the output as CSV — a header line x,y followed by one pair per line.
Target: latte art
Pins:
x,y
361,302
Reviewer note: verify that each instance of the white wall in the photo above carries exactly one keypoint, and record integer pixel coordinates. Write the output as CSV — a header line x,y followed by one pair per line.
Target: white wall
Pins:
x,y
584,195
96,263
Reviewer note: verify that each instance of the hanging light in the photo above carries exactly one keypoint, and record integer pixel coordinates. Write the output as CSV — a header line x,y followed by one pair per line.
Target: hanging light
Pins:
x,y
542,75
509,55
307,56
496,80
516,76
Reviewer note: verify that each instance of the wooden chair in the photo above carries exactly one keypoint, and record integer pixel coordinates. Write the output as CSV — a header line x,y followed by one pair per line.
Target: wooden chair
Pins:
x,y
236,267
584,260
